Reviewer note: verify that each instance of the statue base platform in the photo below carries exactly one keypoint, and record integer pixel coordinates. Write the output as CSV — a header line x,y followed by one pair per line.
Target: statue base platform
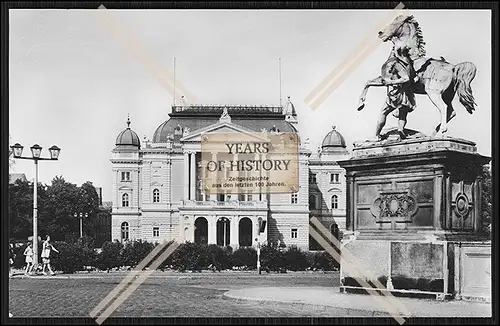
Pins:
x,y
413,214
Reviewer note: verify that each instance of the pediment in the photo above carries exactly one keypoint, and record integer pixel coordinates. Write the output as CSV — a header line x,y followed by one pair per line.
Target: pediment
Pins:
x,y
223,127
125,188
334,190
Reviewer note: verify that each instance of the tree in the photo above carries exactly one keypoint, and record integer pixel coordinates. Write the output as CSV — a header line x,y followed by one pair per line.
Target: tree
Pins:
x,y
58,220
88,203
21,208
486,190
57,204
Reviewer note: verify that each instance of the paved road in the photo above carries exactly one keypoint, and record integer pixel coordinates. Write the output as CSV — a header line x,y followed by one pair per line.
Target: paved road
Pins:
x,y
165,295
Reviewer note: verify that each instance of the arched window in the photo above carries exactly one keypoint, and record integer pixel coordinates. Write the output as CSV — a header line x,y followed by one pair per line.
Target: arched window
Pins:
x,y
312,201
335,202
156,196
125,200
201,230
124,231
245,232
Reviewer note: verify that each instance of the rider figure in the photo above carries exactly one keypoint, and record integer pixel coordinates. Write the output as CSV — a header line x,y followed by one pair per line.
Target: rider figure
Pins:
x,y
399,75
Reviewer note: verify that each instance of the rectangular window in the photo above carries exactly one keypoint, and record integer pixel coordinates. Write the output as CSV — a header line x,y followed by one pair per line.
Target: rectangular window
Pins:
x,y
312,178
249,197
156,232
334,178
294,233
125,176
295,198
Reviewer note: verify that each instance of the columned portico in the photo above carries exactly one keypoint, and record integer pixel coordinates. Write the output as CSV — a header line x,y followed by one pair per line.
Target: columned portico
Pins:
x,y
186,176
212,229
234,231
214,159
192,179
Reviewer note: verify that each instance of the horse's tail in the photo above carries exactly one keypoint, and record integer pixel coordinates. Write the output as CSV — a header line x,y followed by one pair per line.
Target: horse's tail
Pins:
x,y
464,73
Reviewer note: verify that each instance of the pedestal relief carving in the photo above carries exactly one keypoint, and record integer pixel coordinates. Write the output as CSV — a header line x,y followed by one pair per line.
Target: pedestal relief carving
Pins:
x,y
394,206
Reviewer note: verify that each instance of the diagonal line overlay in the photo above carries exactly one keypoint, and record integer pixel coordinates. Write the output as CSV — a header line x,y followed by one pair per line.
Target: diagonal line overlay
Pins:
x,y
138,281
139,51
351,262
357,56
346,255
130,277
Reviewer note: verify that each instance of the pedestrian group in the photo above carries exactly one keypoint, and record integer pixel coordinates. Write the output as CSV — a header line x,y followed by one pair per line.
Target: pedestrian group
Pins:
x,y
47,248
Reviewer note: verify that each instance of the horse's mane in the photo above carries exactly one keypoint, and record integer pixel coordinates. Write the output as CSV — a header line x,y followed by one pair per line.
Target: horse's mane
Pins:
x,y
419,51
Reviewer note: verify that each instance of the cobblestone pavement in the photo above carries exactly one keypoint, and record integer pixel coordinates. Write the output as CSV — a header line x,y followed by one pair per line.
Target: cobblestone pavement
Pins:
x,y
164,295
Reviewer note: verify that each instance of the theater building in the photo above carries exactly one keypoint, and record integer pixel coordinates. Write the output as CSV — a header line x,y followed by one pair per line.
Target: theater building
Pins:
x,y
157,191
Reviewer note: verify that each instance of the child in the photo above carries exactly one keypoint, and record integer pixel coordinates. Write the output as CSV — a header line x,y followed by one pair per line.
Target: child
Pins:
x,y
46,249
28,252
12,256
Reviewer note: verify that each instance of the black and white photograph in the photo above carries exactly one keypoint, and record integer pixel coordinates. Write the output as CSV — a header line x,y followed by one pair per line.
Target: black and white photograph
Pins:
x,y
248,163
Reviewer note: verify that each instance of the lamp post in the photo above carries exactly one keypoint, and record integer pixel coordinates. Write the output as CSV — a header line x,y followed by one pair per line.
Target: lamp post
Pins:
x,y
36,151
81,216
262,227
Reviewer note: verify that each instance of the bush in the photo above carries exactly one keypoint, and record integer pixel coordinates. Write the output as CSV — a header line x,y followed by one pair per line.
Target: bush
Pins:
x,y
134,252
72,256
110,256
322,260
68,260
85,247
245,257
272,258
220,257
167,263
75,256
19,259
296,259
190,256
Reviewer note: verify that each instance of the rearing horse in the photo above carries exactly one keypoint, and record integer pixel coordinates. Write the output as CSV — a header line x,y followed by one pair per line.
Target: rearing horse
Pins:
x,y
438,79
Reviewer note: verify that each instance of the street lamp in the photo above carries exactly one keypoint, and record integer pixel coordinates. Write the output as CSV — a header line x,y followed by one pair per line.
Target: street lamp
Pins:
x,y
36,151
262,227
81,215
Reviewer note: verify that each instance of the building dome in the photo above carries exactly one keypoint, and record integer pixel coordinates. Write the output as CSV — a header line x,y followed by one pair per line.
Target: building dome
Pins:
x,y
289,108
128,137
333,140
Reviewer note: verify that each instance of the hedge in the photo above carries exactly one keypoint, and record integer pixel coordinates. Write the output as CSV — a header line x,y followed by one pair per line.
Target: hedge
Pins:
x,y
110,256
81,255
245,258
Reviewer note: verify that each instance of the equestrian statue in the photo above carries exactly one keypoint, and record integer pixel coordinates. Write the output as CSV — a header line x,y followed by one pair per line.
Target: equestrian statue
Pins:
x,y
408,71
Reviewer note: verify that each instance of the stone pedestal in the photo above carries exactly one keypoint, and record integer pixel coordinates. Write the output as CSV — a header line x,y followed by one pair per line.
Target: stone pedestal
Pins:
x,y
410,205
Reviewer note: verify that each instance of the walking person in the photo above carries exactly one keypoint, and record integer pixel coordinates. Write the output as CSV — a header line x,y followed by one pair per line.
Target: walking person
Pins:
x,y
12,256
46,249
28,252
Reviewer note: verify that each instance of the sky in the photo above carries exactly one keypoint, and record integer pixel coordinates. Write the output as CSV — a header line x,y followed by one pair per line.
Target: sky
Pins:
x,y
72,83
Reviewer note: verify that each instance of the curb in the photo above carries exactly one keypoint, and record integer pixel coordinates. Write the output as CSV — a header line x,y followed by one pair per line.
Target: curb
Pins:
x,y
299,305
375,311
191,276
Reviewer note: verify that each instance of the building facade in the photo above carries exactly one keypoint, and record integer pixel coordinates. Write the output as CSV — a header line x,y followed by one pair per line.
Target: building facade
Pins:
x,y
327,185
157,191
